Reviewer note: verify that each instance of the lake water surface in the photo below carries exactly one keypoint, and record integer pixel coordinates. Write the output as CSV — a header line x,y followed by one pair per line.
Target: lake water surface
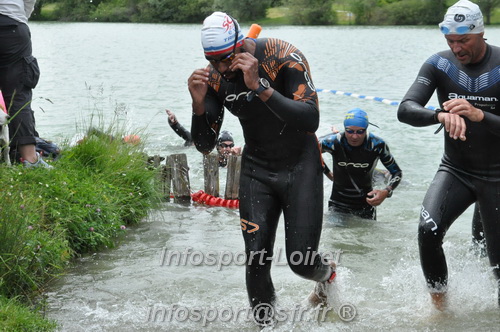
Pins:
x,y
131,72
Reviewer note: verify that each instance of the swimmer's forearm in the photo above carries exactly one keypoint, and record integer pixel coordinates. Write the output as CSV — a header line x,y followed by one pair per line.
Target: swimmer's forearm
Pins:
x,y
303,115
416,115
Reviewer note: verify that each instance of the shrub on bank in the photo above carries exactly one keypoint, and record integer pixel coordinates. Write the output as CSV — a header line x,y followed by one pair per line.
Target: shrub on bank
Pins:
x,y
48,216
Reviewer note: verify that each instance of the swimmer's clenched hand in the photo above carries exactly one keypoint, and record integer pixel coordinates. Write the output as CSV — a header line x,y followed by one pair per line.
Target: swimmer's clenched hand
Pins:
x,y
463,107
171,117
249,65
454,124
376,197
198,86
453,120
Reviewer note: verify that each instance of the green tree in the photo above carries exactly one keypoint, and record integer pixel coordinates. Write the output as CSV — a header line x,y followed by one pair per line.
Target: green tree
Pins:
x,y
174,11
76,10
311,12
487,7
413,12
398,12
116,11
363,11
37,9
244,10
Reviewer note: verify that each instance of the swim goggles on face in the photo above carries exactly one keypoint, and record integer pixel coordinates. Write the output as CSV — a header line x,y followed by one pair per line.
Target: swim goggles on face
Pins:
x,y
459,30
352,131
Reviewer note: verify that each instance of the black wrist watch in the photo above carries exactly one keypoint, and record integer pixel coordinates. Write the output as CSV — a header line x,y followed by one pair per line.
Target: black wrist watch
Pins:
x,y
263,85
389,191
436,112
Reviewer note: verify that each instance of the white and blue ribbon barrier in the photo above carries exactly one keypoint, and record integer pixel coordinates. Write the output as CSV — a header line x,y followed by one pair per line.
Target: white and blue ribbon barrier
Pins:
x,y
355,95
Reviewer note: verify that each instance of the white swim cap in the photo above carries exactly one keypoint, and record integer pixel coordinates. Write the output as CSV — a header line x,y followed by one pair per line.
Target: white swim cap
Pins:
x,y
464,17
217,34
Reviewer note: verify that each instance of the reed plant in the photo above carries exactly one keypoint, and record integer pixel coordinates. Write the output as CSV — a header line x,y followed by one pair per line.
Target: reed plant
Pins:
x,y
47,216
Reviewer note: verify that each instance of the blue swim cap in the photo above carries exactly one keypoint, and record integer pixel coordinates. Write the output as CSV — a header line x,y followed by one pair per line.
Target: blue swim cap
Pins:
x,y
356,117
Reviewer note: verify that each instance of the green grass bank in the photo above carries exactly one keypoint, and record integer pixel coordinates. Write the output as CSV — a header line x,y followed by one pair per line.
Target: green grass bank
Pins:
x,y
49,216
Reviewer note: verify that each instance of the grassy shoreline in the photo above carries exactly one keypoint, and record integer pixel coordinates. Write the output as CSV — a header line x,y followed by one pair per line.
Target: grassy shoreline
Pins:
x,y
49,216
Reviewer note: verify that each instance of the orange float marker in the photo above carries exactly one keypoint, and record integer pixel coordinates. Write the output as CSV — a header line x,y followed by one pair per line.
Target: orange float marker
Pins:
x,y
254,31
204,198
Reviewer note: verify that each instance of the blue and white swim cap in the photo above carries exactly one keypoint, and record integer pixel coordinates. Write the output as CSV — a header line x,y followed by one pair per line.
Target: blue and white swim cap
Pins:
x,y
217,34
356,117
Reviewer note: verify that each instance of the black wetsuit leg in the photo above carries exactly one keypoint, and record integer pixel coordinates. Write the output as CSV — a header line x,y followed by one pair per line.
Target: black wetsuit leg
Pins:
x,y
446,199
303,212
477,226
489,206
266,189
259,220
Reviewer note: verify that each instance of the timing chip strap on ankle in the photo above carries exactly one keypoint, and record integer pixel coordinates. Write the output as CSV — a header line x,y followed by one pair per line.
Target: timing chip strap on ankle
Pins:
x,y
330,280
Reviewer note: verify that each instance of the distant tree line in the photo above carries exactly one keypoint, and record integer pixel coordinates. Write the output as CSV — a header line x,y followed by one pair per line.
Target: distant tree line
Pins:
x,y
299,12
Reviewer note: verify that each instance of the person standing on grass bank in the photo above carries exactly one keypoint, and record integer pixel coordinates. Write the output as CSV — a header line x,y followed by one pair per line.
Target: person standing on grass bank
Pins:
x,y
19,74
466,78
267,84
355,154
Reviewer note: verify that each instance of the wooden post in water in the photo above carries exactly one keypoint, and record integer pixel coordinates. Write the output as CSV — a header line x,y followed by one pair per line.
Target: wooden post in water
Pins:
x,y
180,177
211,174
163,176
233,177
166,180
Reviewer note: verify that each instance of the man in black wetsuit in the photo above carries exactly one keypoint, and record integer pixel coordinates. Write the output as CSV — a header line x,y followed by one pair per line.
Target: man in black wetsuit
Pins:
x,y
355,155
267,84
467,81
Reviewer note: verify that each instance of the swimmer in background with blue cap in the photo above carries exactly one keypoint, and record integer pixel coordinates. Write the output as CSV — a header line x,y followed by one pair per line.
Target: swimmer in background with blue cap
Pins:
x,y
356,153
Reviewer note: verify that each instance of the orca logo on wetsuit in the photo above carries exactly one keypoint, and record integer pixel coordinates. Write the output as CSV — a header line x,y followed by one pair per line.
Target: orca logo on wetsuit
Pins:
x,y
232,97
306,74
355,165
244,226
395,179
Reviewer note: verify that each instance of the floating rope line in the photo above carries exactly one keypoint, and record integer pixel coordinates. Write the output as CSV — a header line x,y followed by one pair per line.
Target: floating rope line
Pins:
x,y
355,95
